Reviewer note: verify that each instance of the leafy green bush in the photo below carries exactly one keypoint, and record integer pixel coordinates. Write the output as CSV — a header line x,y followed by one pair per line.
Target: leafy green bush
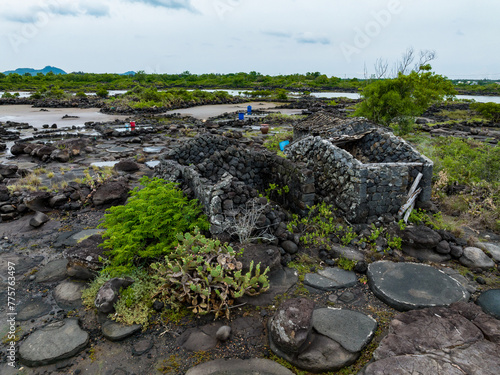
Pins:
x,y
205,275
400,99
102,93
320,226
489,110
467,160
145,227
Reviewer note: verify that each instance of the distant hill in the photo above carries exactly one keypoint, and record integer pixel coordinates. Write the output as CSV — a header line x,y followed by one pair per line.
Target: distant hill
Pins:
x,y
34,72
129,73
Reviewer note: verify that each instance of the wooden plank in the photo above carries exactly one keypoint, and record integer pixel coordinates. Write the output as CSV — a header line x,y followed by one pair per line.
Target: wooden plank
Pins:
x,y
415,184
409,202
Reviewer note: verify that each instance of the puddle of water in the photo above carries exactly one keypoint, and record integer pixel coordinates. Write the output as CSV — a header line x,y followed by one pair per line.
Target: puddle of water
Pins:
x,y
102,164
153,163
152,150
118,149
127,128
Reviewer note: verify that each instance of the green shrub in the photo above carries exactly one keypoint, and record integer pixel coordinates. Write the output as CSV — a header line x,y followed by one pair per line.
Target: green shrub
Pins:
x,y
205,275
346,264
80,94
319,227
145,228
102,93
466,160
489,110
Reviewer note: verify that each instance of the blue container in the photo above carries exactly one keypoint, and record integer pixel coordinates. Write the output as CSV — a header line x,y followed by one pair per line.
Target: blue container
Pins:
x,y
249,109
241,116
283,145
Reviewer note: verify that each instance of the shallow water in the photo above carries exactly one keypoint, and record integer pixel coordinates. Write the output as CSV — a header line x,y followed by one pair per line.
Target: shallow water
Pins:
x,y
203,112
36,118
102,164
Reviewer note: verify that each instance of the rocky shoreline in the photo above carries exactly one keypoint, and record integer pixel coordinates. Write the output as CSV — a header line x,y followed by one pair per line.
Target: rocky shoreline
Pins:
x,y
404,307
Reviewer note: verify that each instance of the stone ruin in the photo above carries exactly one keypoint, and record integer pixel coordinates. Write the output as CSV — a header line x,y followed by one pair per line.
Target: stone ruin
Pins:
x,y
225,177
360,168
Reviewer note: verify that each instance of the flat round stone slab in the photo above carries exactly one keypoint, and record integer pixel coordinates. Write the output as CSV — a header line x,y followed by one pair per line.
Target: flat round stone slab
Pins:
x,y
52,271
252,366
52,343
330,279
490,302
32,309
68,294
408,286
351,329
114,331
82,235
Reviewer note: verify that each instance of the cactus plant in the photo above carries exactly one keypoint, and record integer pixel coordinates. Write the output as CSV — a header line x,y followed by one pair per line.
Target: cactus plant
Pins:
x,y
205,275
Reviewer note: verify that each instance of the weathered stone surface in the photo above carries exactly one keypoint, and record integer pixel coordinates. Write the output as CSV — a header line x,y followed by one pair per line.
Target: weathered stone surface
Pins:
x,y
425,254
32,309
476,258
57,200
291,325
240,366
114,331
439,340
38,201
8,170
127,166
456,251
83,258
490,302
39,219
493,249
62,156
443,247
68,294
420,236
54,342
280,281
266,255
223,333
406,365
110,192
347,252
320,354
109,292
290,247
52,271
351,329
200,338
330,278
407,286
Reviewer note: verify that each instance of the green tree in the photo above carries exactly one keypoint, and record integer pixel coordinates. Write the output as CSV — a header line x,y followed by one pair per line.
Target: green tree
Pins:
x,y
489,110
399,100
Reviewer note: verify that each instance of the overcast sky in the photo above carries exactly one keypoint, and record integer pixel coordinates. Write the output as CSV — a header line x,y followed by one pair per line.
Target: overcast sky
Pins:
x,y
268,36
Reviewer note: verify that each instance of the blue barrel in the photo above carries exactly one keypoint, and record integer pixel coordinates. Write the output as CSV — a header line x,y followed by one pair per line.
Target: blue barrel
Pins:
x,y
241,116
249,109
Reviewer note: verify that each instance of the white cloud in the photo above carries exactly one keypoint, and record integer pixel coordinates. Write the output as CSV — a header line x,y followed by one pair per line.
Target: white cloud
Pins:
x,y
278,36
